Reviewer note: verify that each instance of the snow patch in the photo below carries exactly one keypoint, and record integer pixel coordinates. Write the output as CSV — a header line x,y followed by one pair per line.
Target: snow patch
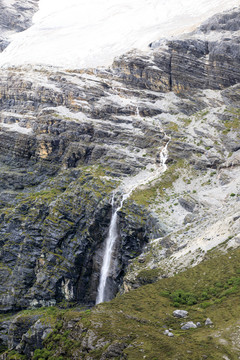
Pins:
x,y
79,33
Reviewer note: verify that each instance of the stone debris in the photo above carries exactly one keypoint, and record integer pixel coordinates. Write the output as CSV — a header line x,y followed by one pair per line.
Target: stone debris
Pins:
x,y
168,333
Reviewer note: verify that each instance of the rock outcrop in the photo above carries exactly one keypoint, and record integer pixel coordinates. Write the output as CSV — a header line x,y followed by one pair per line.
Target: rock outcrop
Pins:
x,y
207,59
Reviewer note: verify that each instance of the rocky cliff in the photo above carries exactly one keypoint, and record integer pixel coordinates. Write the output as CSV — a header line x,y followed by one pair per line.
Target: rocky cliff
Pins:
x,y
69,139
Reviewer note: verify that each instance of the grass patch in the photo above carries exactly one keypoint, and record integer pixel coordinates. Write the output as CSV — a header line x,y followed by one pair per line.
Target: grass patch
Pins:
x,y
137,320
234,122
157,188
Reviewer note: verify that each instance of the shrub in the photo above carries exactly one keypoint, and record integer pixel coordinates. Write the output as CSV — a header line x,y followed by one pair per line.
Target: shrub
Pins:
x,y
41,354
184,298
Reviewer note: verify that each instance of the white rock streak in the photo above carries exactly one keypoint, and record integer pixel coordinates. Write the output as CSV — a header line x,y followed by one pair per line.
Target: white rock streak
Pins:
x,y
113,228
17,128
80,33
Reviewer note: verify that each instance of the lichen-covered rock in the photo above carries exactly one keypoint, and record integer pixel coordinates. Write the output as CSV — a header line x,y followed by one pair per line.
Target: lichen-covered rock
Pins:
x,y
33,338
19,326
4,327
114,350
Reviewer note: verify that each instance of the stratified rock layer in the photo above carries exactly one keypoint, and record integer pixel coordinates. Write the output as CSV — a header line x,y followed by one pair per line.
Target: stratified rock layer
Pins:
x,y
208,59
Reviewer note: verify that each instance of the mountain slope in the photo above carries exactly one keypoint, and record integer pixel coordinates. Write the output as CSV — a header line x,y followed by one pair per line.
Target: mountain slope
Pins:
x,y
69,140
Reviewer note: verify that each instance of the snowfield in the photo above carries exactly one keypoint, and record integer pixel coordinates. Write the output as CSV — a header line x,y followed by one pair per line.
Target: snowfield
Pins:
x,y
80,33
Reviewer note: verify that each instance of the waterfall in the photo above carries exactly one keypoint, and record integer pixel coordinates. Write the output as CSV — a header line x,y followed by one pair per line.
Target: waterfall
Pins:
x,y
164,157
107,258
113,228
137,114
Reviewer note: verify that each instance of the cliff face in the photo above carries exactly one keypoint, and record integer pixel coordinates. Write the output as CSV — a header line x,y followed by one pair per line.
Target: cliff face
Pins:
x,y
206,59
69,139
64,148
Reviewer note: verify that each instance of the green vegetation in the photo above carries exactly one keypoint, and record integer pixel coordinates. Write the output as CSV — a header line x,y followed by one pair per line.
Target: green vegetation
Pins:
x,y
137,320
234,120
186,121
173,126
46,195
148,276
149,194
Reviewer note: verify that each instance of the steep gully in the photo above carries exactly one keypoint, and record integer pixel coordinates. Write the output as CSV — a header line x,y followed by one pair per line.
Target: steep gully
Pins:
x,y
103,290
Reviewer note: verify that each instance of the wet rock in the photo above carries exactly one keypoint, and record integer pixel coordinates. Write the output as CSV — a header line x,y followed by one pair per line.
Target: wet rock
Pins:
x,y
56,216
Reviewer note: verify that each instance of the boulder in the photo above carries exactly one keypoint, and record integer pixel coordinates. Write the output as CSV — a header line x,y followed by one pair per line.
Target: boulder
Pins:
x,y
208,322
180,313
187,203
168,333
189,325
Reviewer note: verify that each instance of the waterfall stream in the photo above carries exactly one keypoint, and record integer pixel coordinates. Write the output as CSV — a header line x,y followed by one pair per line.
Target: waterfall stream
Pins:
x,y
109,247
113,227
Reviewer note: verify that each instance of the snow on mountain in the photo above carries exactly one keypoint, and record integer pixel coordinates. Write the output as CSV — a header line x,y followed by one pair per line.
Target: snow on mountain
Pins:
x,y
80,33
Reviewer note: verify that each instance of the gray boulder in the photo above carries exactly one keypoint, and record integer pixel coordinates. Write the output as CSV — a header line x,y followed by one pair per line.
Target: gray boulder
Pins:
x,y
208,322
189,325
180,313
168,333
187,203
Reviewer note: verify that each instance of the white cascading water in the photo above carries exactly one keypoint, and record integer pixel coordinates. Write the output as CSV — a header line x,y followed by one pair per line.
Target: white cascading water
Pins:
x,y
163,157
137,114
109,247
113,231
